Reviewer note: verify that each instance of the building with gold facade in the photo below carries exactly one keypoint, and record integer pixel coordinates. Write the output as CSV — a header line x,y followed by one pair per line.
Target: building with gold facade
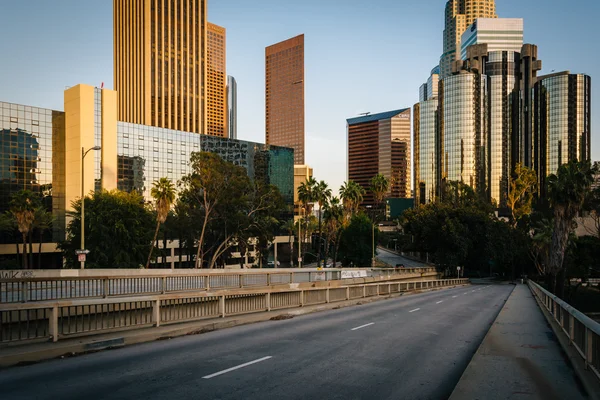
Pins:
x,y
216,82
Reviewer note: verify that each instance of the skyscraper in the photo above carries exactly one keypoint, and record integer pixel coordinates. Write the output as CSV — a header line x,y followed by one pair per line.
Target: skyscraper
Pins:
x,y
284,94
160,49
500,34
458,16
380,144
216,82
232,107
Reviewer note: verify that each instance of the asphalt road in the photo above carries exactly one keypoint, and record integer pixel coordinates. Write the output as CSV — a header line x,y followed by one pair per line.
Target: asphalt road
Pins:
x,y
412,347
392,259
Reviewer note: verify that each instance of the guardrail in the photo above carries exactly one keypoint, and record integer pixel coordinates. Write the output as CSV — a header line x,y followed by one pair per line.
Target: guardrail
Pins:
x,y
63,319
583,332
15,290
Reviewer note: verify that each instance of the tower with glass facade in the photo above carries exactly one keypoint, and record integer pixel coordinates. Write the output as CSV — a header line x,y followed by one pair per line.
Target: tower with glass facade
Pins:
x,y
232,107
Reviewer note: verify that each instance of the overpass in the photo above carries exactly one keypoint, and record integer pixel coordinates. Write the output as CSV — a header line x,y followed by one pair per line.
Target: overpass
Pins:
x,y
423,338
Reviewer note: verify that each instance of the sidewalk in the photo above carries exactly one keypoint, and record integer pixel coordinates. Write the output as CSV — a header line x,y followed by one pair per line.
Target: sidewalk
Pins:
x,y
520,358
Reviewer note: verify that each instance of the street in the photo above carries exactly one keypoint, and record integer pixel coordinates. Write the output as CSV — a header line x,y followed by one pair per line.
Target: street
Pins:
x,y
392,259
412,347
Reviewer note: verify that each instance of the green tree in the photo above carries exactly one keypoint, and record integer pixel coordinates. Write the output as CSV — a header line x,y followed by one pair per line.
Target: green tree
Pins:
x,y
42,222
334,226
567,193
322,194
23,206
520,193
356,242
163,193
118,228
352,195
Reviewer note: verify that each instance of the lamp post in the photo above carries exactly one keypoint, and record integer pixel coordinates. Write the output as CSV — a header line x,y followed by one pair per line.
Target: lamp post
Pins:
x,y
83,154
300,238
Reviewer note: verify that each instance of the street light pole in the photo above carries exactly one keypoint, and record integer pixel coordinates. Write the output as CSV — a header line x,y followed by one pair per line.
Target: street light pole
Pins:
x,y
300,238
83,154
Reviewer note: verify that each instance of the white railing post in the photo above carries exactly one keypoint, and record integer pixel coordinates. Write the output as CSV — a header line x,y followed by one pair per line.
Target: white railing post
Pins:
x,y
347,292
301,298
163,284
364,291
268,300
327,295
207,282
222,306
268,279
291,277
241,278
156,313
53,323
105,288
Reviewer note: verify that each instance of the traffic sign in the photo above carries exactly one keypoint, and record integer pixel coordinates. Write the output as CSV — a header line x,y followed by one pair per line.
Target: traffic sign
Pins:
x,y
299,259
81,257
458,268
84,251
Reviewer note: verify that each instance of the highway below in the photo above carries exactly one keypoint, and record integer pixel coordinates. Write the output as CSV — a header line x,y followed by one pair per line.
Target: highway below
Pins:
x,y
411,347
392,259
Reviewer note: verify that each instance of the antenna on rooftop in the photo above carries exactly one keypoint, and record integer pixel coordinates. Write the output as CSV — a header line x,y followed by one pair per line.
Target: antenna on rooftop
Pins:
x,y
365,113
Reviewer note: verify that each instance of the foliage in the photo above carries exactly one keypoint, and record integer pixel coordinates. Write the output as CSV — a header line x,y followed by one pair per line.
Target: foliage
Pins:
x,y
568,190
306,194
117,232
322,194
352,195
379,186
163,193
334,226
459,194
23,206
520,193
356,242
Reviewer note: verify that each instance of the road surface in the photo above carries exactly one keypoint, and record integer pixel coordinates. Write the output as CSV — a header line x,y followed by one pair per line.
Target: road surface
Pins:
x,y
412,347
392,259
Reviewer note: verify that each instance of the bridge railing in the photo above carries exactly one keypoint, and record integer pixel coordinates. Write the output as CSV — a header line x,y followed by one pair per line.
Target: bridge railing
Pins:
x,y
583,332
142,282
35,321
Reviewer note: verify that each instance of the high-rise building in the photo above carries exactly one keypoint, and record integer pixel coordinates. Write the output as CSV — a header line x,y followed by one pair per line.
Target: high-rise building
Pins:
x,y
160,62
284,94
231,107
380,144
302,173
562,122
459,15
216,81
500,34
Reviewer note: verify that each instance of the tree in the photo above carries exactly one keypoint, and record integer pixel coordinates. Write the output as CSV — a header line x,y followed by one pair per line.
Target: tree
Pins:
x,y
23,206
43,221
213,181
352,195
118,229
520,193
567,193
379,186
356,243
334,224
322,194
163,193
306,193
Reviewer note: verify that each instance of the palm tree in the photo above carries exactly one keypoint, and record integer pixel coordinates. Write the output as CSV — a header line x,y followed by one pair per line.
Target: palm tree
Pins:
x,y
306,193
322,194
352,195
334,220
22,206
163,193
43,221
567,192
379,186
290,228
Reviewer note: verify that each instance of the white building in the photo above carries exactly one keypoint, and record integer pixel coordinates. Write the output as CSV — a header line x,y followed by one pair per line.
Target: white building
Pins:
x,y
500,34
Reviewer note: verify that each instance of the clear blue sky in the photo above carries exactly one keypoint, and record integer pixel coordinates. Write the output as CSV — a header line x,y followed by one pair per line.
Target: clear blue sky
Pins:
x,y
359,55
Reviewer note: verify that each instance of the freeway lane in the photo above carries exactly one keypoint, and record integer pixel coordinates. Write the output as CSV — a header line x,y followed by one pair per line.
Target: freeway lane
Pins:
x,y
379,350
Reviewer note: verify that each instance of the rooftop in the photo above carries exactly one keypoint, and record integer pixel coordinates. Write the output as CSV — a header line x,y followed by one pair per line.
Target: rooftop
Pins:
x,y
375,117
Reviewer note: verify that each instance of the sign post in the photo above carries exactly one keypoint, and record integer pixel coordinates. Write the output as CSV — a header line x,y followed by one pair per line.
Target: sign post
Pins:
x,y
458,271
81,253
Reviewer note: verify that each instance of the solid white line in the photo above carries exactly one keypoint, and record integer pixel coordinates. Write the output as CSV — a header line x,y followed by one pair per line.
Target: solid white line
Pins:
x,y
441,301
416,309
236,367
362,326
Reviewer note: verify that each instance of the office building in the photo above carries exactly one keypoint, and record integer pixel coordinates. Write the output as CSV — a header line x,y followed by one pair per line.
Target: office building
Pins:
x,y
500,34
231,107
302,173
459,15
41,150
562,122
284,95
380,144
216,81
160,63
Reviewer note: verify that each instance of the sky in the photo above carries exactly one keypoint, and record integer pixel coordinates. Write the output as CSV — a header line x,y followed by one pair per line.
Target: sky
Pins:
x,y
360,56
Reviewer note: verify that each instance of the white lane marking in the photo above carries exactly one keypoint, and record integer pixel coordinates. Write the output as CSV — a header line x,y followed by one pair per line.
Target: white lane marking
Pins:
x,y
441,301
454,297
236,367
466,293
362,326
416,309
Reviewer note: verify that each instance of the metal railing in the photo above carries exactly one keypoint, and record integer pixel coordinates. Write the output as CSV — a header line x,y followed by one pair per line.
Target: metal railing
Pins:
x,y
20,322
583,332
62,288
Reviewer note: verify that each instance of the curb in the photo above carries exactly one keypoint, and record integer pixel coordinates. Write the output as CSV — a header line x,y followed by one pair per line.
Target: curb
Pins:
x,y
26,355
589,382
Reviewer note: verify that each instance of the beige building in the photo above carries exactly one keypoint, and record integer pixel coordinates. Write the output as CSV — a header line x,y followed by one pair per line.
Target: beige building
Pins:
x,y
216,82
301,174
459,15
160,62
284,95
